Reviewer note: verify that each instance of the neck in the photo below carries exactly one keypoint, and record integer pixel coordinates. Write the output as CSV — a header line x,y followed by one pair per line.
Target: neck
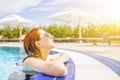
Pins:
x,y
44,53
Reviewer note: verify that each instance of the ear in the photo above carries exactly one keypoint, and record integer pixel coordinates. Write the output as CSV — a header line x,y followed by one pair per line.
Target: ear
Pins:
x,y
37,43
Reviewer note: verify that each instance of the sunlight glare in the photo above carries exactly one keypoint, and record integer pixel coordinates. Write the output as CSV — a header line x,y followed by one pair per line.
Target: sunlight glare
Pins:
x,y
107,9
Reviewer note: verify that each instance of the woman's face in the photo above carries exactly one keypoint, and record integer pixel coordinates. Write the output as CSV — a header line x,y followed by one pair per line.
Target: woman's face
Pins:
x,y
46,39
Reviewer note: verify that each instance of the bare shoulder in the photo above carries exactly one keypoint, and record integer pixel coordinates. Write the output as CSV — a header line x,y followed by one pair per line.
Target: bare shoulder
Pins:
x,y
32,61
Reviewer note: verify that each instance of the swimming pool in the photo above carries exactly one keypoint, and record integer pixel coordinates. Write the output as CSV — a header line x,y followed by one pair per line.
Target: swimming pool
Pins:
x,y
11,56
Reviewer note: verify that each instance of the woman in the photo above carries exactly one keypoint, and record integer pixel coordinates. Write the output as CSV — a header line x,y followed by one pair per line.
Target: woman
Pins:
x,y
38,44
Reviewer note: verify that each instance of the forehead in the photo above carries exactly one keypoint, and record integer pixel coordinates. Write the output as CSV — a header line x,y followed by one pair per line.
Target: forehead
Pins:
x,y
42,32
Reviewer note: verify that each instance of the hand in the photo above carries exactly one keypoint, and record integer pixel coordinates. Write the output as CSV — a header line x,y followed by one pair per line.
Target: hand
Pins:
x,y
64,57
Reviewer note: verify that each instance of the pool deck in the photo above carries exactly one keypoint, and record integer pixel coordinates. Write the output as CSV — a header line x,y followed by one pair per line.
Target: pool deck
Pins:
x,y
101,49
86,67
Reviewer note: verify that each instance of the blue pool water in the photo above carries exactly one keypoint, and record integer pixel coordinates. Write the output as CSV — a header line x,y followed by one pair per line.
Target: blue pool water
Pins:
x,y
9,56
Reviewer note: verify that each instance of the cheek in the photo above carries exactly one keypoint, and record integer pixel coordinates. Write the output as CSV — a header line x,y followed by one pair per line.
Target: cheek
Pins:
x,y
47,43
44,42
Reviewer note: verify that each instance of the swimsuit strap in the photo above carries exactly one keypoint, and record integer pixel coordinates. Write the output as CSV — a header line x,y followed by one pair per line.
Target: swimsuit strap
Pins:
x,y
26,58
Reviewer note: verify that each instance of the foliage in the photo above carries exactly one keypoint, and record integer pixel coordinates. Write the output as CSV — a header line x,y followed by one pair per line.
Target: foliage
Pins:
x,y
64,31
12,32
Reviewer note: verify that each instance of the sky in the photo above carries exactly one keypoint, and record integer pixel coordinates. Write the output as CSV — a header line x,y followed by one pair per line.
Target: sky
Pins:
x,y
39,10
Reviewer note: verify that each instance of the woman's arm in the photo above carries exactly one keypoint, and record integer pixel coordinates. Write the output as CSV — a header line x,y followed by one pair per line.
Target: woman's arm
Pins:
x,y
61,56
52,68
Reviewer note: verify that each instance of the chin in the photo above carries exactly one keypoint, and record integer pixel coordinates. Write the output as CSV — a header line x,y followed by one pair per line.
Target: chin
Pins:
x,y
52,45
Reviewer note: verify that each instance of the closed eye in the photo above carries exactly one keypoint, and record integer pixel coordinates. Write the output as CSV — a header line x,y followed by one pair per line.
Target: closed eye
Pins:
x,y
47,35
